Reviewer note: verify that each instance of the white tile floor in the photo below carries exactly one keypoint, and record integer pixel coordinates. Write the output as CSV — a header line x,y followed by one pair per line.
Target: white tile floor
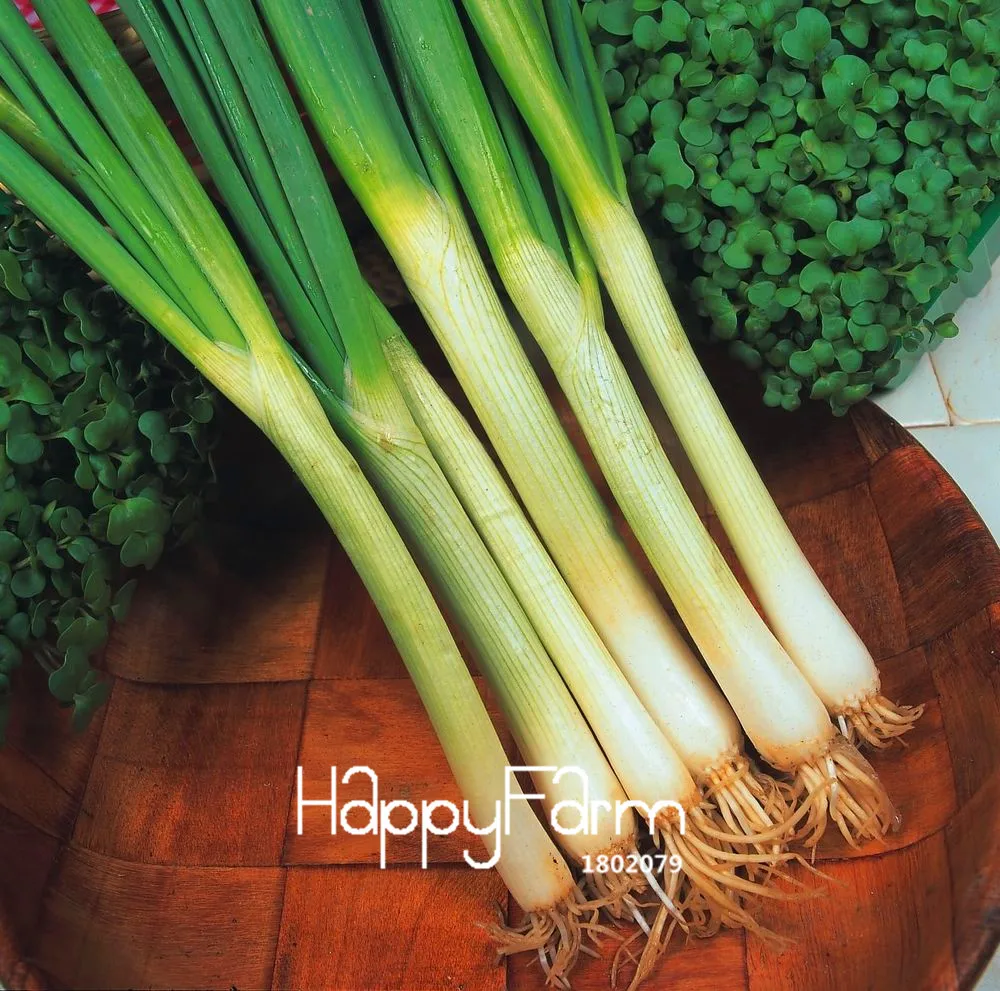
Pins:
x,y
951,404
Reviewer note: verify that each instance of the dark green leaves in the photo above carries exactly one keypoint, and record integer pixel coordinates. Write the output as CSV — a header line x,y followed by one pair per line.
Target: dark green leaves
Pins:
x,y
674,21
665,160
828,159
977,76
845,79
731,47
818,210
866,284
925,58
138,525
816,276
855,235
819,168
90,694
163,444
27,583
811,34
104,458
646,33
135,515
11,277
67,679
739,90
856,25
21,444
695,132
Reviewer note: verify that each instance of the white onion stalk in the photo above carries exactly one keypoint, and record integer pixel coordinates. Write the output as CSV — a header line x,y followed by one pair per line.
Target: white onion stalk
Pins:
x,y
252,365
782,714
644,760
365,406
555,289
408,195
800,609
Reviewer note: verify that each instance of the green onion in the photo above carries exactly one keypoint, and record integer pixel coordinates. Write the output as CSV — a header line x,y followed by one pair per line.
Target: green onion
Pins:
x,y
249,361
546,268
374,420
806,619
365,405
418,212
555,93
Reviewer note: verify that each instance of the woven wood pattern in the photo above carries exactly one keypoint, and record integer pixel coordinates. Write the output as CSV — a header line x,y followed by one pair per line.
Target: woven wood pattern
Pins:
x,y
159,849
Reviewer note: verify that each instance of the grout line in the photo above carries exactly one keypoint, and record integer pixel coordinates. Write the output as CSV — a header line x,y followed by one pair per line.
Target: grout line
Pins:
x,y
960,425
945,397
920,420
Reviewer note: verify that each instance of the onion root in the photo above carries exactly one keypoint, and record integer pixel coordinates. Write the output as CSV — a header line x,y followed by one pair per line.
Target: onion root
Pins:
x,y
558,935
841,785
878,722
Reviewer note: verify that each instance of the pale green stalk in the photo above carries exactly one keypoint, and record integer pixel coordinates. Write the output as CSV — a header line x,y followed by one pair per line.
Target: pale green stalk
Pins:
x,y
530,866
286,177
547,725
766,680
260,376
423,224
809,624
603,693
558,295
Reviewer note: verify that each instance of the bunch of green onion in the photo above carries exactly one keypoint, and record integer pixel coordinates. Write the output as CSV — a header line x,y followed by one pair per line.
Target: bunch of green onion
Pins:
x,y
505,127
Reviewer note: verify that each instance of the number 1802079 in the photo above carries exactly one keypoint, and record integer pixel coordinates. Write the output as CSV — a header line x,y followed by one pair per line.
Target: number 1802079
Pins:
x,y
631,863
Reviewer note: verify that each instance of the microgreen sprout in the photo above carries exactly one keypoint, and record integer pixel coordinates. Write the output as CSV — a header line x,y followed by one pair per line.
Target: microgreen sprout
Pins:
x,y
811,158
106,434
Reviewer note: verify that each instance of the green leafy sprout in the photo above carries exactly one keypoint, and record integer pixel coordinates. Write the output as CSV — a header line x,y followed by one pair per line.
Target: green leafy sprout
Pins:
x,y
105,438
823,166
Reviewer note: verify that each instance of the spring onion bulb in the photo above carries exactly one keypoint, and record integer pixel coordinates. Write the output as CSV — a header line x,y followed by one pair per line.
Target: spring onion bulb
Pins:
x,y
800,609
557,293
623,726
779,708
251,364
367,409
407,191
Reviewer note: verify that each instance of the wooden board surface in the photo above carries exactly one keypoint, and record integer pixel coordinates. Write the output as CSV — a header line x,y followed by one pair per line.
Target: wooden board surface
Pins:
x,y
159,849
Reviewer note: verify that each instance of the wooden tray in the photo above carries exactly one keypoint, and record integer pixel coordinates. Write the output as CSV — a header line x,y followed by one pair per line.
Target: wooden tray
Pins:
x,y
159,849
